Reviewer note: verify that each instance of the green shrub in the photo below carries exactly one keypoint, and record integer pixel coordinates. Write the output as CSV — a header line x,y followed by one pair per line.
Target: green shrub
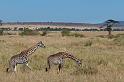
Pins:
x,y
1,32
88,70
20,29
44,33
65,32
10,33
119,40
111,36
29,32
101,36
88,43
119,35
77,35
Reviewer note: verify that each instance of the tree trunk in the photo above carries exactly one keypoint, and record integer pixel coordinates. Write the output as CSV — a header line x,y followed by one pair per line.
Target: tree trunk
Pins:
x,y
109,33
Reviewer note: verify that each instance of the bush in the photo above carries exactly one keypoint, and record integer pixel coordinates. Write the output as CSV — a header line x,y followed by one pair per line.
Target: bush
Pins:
x,y
65,32
20,29
119,39
88,43
119,35
106,36
44,33
101,36
29,32
111,36
10,33
77,35
1,32
88,70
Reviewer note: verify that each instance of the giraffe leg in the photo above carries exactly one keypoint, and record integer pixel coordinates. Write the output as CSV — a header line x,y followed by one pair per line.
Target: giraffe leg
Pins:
x,y
28,66
15,68
60,66
48,66
7,69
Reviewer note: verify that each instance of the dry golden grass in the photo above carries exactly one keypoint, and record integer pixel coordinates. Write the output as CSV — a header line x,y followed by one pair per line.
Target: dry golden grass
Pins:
x,y
103,58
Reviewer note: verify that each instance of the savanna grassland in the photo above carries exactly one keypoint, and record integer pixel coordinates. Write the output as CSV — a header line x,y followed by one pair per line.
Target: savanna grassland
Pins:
x,y
103,58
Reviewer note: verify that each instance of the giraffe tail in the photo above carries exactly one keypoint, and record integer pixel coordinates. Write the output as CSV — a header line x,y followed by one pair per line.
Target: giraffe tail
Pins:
x,y
7,70
46,69
48,66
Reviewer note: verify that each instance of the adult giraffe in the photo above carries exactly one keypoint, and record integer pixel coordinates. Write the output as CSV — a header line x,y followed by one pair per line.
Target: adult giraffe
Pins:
x,y
23,57
58,59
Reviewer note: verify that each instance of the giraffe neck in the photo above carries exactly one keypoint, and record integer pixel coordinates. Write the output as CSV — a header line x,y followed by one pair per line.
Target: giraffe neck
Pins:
x,y
70,56
31,50
73,58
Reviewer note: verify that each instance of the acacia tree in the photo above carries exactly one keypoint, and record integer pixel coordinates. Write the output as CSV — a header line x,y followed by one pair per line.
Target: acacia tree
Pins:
x,y
109,24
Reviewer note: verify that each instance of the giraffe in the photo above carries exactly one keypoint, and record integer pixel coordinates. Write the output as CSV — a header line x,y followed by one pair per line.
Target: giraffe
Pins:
x,y
58,59
23,57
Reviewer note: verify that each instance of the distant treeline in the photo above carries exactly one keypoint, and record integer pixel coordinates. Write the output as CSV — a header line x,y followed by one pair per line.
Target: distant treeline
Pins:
x,y
120,24
53,23
57,29
73,29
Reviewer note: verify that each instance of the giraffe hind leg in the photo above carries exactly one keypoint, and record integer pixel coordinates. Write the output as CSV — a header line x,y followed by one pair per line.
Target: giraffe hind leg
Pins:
x,y
47,68
60,66
11,68
15,68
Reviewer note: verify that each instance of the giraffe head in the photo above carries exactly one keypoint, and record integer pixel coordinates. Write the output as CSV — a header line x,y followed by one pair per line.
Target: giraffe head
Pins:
x,y
40,44
79,62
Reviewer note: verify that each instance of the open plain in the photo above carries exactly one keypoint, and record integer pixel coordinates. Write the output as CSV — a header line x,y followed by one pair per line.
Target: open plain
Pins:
x,y
103,58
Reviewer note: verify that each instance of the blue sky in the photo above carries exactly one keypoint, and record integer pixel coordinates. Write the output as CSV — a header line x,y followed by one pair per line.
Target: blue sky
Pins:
x,y
90,11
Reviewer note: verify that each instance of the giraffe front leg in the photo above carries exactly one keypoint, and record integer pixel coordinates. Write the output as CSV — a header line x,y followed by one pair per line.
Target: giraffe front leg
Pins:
x,y
60,66
28,66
